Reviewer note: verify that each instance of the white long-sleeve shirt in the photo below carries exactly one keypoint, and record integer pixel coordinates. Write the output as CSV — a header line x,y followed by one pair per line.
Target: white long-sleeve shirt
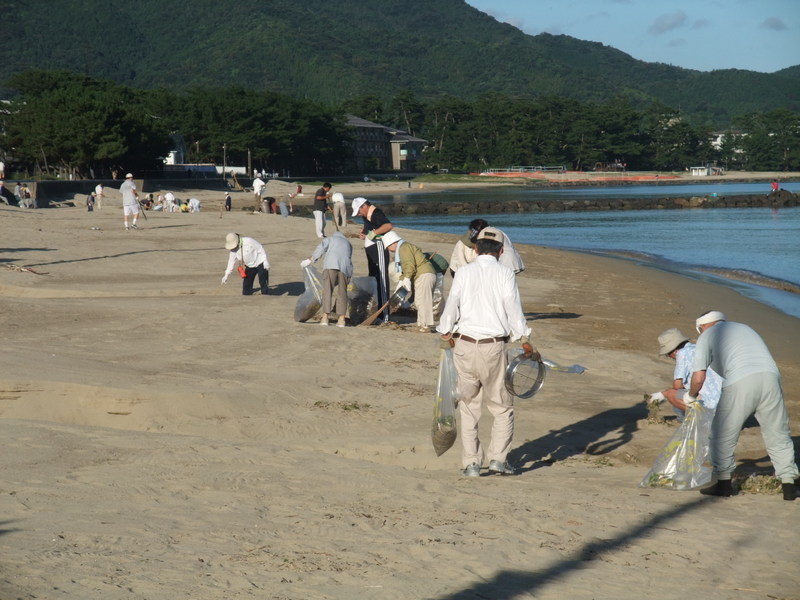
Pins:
x,y
484,302
250,252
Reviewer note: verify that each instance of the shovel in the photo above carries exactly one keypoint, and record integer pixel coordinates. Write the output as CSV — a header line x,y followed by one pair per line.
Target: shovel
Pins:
x,y
556,367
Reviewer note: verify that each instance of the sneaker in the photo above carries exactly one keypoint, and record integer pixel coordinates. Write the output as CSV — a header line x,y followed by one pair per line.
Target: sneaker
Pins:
x,y
341,321
423,329
473,470
323,320
126,228
501,468
134,226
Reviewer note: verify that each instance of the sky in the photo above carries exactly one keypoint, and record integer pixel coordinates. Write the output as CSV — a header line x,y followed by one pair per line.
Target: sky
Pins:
x,y
756,35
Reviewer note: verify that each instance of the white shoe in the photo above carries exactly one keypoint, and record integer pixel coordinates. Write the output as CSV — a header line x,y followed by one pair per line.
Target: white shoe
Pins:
x,y
323,320
341,321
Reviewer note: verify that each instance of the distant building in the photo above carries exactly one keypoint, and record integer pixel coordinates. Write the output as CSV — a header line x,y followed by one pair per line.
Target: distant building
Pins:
x,y
380,148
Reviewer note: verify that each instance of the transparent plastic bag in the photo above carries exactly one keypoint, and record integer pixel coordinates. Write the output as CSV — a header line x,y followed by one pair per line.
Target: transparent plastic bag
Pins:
x,y
310,301
444,430
683,462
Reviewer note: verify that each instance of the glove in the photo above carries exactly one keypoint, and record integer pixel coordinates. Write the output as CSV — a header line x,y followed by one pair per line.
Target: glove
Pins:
x,y
404,284
224,279
371,235
446,341
305,263
689,400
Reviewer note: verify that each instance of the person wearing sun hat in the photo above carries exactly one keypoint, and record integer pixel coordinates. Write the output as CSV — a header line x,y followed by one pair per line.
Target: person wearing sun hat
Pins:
x,y
252,259
752,386
416,273
675,345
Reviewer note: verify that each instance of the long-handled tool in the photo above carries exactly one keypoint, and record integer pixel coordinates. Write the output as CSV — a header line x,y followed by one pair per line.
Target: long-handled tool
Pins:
x,y
141,209
556,367
396,297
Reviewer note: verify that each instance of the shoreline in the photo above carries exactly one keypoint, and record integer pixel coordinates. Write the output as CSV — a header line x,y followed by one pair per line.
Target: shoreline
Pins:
x,y
167,436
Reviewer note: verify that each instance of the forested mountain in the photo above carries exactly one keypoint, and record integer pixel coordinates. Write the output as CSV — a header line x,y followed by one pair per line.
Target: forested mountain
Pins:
x,y
332,51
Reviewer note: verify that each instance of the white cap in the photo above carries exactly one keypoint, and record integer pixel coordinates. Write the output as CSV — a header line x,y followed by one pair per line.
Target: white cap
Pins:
x,y
711,316
231,241
491,233
129,176
358,203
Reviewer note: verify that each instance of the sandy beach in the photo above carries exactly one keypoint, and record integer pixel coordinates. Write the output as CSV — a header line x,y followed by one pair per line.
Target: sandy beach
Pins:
x,y
165,437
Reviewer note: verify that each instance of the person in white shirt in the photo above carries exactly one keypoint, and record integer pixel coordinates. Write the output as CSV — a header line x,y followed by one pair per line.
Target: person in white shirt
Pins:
x,y
339,211
482,313
130,201
258,188
194,205
98,196
252,260
464,250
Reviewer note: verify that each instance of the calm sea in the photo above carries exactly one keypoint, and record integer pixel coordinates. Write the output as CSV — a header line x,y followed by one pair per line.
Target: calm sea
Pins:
x,y
753,250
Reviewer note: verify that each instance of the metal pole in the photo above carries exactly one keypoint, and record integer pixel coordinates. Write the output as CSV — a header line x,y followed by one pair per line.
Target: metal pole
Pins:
x,y
224,162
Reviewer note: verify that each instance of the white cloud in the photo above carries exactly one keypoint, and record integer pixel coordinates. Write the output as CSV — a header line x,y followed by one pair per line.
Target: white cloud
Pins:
x,y
668,22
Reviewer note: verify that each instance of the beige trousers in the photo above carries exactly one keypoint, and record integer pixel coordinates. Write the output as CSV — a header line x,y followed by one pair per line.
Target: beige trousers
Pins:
x,y
481,379
334,279
423,298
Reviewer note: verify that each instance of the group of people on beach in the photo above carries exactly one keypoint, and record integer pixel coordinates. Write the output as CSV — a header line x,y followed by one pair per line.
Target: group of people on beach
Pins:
x,y
482,313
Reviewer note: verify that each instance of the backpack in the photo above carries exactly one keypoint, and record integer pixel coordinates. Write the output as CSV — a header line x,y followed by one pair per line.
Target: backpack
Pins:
x,y
439,262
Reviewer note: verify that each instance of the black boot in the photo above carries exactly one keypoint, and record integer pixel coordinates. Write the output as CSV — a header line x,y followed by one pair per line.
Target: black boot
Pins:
x,y
722,488
789,491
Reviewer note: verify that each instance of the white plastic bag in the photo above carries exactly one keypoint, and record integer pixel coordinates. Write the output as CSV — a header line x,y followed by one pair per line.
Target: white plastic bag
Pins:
x,y
444,430
683,462
310,301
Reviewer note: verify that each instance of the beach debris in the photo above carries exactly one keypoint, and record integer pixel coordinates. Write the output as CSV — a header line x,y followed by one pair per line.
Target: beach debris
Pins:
x,y
760,484
25,270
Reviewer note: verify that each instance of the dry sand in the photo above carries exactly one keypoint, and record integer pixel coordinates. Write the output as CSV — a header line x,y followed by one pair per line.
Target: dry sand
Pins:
x,y
165,437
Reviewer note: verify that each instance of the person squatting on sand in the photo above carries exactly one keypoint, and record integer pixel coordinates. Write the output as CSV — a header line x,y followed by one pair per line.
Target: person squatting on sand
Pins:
x,y
376,224
130,201
416,274
482,313
675,345
752,386
253,261
464,250
337,271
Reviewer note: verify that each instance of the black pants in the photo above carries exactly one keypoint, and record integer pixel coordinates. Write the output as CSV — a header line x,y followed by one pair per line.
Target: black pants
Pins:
x,y
378,263
250,277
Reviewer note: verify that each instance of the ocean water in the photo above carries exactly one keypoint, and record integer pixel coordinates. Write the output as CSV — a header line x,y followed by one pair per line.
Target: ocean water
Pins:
x,y
753,250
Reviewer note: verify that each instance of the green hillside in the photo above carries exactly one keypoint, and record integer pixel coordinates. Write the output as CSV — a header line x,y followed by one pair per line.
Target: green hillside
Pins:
x,y
333,51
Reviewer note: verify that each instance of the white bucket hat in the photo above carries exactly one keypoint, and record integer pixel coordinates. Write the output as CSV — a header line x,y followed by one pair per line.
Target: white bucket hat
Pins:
x,y
389,238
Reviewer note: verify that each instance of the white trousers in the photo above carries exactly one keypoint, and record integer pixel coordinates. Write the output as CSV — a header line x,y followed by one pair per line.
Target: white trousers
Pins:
x,y
758,394
319,223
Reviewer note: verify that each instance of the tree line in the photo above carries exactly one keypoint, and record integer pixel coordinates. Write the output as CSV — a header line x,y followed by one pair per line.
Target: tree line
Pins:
x,y
91,127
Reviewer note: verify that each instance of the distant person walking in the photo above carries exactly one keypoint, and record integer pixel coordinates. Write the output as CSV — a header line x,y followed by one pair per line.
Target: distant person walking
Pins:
x,y
130,201
320,208
228,202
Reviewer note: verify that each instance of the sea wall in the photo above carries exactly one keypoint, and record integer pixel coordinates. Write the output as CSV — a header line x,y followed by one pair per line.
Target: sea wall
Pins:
x,y
780,199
